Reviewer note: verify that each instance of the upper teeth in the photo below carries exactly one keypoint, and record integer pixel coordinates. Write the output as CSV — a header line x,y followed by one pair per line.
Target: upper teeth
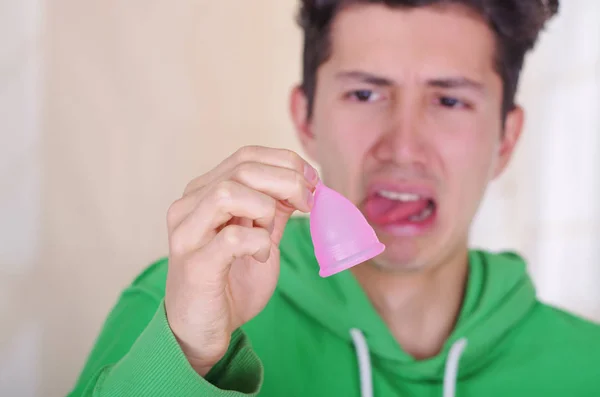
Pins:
x,y
399,196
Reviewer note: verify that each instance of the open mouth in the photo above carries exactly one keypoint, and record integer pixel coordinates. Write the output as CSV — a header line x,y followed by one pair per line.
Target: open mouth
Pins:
x,y
409,206
388,207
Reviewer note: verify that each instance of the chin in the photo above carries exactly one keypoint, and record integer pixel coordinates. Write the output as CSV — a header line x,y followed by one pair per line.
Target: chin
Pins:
x,y
409,254
400,260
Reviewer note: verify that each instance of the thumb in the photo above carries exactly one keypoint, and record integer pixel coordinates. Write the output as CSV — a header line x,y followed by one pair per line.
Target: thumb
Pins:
x,y
282,215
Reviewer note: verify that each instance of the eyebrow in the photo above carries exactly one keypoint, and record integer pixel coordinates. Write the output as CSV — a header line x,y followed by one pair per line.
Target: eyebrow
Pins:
x,y
365,78
456,82
444,82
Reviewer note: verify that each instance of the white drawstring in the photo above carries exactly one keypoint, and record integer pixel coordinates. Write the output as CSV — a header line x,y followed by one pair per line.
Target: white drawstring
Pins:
x,y
451,373
364,362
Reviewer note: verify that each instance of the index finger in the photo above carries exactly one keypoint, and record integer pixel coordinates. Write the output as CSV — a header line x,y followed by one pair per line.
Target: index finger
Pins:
x,y
271,156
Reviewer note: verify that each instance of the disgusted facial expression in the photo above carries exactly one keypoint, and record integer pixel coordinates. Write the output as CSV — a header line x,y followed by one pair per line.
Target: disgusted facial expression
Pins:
x,y
407,124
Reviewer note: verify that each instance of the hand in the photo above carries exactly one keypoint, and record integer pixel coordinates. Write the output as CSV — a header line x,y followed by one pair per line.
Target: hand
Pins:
x,y
224,236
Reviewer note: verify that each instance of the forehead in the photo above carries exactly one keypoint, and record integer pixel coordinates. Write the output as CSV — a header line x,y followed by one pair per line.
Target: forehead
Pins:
x,y
422,40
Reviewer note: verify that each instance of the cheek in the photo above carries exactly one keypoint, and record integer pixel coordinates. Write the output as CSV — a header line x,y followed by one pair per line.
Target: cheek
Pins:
x,y
472,156
343,141
469,157
465,141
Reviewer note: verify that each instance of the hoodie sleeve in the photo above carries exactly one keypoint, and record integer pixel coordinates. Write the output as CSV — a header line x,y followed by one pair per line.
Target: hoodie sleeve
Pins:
x,y
137,354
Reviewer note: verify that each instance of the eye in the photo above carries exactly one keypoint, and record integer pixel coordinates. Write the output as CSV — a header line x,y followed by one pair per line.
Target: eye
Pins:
x,y
451,102
363,96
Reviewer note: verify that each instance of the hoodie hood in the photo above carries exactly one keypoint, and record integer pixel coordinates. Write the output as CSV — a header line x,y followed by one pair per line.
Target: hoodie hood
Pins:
x,y
499,294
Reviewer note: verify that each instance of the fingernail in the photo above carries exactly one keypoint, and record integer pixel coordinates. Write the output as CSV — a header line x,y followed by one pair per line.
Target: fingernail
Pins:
x,y
310,199
310,173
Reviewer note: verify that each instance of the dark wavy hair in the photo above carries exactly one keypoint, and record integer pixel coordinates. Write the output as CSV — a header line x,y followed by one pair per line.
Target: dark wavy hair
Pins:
x,y
515,23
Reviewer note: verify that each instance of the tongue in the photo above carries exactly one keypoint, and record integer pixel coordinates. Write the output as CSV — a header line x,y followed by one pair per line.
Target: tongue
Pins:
x,y
384,211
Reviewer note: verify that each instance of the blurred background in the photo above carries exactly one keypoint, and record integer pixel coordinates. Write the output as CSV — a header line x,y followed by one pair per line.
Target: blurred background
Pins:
x,y
108,109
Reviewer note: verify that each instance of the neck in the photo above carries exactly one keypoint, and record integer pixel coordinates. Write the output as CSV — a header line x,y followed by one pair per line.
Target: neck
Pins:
x,y
420,308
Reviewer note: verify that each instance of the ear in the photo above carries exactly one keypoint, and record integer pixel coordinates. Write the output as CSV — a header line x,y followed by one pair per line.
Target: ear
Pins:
x,y
513,127
302,123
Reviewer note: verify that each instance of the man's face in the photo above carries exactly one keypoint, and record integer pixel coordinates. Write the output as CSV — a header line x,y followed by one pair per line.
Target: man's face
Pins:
x,y
407,124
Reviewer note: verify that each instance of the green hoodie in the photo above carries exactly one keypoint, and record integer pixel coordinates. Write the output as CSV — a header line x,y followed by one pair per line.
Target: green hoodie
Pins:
x,y
322,337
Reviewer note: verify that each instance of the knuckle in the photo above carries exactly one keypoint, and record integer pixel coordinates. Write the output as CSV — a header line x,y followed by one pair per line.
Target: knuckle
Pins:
x,y
223,193
174,213
246,153
193,185
294,158
189,187
243,171
232,236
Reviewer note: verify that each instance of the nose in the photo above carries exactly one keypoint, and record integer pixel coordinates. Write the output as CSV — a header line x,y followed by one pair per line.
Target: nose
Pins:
x,y
403,141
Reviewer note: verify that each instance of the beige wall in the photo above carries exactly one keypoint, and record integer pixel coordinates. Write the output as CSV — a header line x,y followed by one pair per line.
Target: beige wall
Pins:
x,y
143,96
131,99
139,97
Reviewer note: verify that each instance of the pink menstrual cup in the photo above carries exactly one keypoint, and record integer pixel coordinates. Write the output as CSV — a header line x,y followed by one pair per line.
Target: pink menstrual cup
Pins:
x,y
342,237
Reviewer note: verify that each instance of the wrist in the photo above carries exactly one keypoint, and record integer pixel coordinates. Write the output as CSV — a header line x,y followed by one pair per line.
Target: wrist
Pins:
x,y
201,363
200,368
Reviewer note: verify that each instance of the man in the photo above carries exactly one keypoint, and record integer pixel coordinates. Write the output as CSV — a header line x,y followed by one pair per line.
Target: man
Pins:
x,y
408,108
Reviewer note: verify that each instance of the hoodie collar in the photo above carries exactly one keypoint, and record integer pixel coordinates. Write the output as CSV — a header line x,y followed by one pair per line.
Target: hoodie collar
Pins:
x,y
498,295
